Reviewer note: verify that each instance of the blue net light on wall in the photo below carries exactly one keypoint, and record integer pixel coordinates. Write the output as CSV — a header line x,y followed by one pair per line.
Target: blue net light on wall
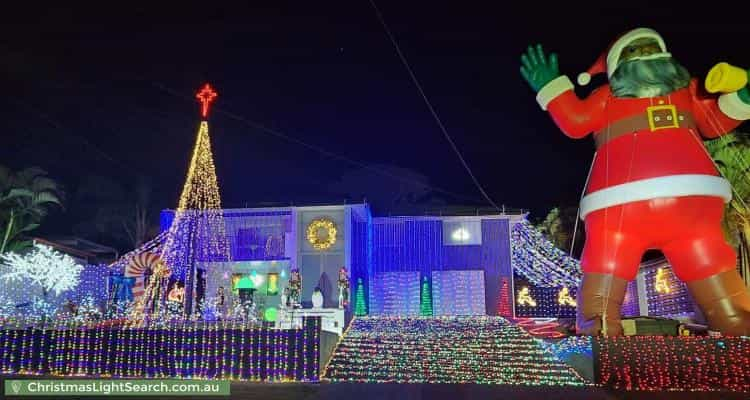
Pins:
x,y
408,248
538,260
666,295
532,301
458,293
545,278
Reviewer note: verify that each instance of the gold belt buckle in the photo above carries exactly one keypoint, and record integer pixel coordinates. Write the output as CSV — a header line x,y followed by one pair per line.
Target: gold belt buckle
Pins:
x,y
662,117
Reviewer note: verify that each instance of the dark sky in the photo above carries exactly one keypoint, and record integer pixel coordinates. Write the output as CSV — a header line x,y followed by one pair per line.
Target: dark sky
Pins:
x,y
110,90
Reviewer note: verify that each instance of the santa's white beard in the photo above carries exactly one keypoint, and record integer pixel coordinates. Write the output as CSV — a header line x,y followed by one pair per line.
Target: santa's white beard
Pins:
x,y
648,78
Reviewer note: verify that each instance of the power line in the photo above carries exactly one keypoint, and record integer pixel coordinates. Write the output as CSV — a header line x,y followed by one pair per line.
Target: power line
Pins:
x,y
319,149
429,105
59,126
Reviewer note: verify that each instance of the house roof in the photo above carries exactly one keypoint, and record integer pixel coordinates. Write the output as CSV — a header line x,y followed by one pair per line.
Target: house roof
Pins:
x,y
81,248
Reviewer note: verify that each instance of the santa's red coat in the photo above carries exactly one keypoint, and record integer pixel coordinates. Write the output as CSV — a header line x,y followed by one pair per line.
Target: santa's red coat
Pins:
x,y
648,186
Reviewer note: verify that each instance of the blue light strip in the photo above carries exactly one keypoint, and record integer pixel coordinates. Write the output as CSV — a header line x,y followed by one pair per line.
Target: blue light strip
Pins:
x,y
539,261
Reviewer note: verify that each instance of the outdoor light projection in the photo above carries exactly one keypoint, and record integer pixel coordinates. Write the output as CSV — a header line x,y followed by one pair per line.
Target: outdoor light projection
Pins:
x,y
462,232
460,235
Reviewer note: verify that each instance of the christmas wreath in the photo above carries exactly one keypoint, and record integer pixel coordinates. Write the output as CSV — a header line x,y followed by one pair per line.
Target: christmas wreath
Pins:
x,y
321,233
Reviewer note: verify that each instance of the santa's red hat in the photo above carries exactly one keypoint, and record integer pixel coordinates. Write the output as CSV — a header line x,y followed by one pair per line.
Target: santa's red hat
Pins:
x,y
609,60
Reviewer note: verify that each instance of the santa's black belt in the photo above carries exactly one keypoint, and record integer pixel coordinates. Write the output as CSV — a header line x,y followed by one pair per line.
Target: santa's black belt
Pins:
x,y
654,119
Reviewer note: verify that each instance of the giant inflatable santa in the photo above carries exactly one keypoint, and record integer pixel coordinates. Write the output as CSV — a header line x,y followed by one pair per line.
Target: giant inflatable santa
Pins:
x,y
652,184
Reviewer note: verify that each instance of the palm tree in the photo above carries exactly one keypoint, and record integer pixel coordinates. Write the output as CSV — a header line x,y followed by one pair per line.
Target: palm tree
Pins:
x,y
108,210
558,227
732,156
137,223
552,227
25,198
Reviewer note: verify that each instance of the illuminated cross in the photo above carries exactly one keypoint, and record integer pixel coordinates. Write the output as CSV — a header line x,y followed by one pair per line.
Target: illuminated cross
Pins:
x,y
206,96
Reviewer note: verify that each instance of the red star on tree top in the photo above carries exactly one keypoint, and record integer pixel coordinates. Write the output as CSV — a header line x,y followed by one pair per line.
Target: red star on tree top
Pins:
x,y
206,96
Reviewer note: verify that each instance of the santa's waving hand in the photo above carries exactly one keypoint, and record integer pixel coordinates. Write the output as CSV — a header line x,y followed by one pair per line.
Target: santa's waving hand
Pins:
x,y
652,184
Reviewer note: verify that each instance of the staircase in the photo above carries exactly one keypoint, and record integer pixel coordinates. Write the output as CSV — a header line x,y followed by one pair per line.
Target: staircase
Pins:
x,y
487,350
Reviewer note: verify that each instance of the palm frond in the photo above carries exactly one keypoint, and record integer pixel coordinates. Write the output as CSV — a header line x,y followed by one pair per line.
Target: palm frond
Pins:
x,y
5,178
19,192
18,246
28,227
732,156
26,177
44,184
45,198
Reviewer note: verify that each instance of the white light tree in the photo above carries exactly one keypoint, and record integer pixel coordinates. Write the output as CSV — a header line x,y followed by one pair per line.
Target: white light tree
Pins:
x,y
7,308
54,272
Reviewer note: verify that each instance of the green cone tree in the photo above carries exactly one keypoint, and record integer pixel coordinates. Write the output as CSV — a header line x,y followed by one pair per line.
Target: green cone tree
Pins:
x,y
360,308
425,299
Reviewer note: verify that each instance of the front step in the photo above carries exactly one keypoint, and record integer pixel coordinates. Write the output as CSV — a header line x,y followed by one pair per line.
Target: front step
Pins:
x,y
445,350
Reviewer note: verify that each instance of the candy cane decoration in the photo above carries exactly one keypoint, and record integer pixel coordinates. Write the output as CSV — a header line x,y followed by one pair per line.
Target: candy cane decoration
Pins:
x,y
137,268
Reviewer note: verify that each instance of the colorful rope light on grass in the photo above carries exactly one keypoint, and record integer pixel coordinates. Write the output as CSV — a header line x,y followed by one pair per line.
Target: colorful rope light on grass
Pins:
x,y
674,363
182,350
487,350
540,328
570,346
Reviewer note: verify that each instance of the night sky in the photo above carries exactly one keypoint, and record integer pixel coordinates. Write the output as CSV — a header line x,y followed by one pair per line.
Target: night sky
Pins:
x,y
110,91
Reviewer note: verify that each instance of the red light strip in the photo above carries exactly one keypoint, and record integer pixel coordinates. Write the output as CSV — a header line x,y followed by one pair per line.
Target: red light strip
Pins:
x,y
205,96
